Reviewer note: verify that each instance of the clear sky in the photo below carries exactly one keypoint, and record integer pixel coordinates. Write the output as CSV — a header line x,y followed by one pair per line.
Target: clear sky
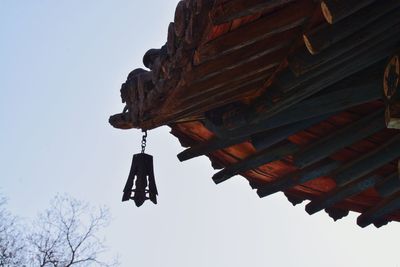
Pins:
x,y
61,66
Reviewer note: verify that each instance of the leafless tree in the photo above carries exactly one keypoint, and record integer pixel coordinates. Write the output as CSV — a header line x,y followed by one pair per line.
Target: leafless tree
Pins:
x,y
11,239
66,234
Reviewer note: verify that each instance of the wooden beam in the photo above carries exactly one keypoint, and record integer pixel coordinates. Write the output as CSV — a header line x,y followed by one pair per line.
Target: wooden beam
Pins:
x,y
389,185
121,121
336,10
302,61
275,153
207,147
297,177
265,45
203,105
275,46
341,193
391,86
260,68
336,213
239,8
392,114
341,138
270,137
262,110
368,162
339,97
260,141
289,17
326,35
378,47
391,77
379,211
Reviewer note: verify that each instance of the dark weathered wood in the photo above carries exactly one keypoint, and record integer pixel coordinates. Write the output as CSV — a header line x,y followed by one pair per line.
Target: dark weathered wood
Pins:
x,y
260,141
261,110
302,61
391,77
196,24
341,138
171,40
261,68
340,98
255,160
368,162
121,121
181,19
366,52
391,86
335,10
228,66
295,200
392,114
336,213
296,178
282,20
268,46
207,147
240,8
264,45
340,193
326,35
202,105
389,185
268,138
378,212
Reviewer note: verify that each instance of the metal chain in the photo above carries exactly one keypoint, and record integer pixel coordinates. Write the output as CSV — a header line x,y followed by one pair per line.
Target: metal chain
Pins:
x,y
144,141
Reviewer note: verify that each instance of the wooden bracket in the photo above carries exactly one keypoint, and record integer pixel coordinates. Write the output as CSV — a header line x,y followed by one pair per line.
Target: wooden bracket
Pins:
x,y
392,96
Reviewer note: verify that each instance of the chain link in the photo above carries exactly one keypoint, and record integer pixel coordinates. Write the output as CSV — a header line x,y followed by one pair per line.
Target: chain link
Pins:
x,y
144,141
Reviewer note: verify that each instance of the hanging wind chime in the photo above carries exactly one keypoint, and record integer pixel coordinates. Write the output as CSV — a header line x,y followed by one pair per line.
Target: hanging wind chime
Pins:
x,y
141,184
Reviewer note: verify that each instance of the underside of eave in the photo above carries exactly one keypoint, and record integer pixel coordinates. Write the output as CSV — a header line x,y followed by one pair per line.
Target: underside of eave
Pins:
x,y
285,93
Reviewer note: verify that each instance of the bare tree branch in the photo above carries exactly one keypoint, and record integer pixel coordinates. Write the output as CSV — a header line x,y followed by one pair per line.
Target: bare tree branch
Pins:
x,y
67,235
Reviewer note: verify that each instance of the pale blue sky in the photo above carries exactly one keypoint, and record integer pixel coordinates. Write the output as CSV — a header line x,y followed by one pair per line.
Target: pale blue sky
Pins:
x,y
61,66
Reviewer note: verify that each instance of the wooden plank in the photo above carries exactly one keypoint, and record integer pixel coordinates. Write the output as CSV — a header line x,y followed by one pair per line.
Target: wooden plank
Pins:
x,y
290,17
391,77
267,46
297,177
260,111
368,162
260,141
326,35
379,211
255,160
239,8
270,137
261,68
339,139
389,185
341,193
202,105
302,61
207,147
336,10
391,85
383,45
347,95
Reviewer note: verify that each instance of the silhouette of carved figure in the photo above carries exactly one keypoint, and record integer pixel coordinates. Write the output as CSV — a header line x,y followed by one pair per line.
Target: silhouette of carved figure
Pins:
x,y
142,175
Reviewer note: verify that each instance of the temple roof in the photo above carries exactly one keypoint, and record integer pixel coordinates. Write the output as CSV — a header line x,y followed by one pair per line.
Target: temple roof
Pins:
x,y
295,96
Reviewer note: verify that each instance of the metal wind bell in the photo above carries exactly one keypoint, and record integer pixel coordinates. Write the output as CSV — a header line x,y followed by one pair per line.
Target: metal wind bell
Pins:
x,y
141,176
